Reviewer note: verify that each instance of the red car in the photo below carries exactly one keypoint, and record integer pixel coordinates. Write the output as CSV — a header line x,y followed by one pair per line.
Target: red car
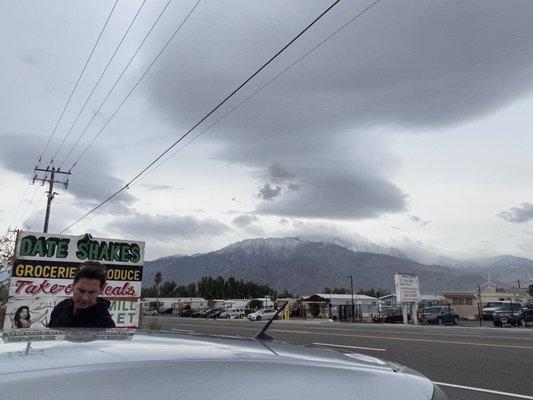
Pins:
x,y
391,316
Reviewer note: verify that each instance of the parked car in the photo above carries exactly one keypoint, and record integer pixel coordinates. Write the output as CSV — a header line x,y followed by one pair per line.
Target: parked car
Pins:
x,y
223,314
200,313
235,313
215,313
507,313
441,315
159,365
205,313
187,313
150,312
264,313
488,310
526,317
391,316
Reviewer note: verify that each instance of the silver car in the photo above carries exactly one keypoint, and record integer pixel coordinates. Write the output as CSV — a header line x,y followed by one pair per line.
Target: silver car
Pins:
x,y
115,365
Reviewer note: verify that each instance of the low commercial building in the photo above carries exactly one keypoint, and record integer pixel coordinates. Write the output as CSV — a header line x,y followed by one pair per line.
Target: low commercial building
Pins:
x,y
466,303
389,302
339,306
175,303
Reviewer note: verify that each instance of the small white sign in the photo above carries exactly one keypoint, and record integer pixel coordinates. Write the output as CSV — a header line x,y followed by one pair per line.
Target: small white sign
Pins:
x,y
407,288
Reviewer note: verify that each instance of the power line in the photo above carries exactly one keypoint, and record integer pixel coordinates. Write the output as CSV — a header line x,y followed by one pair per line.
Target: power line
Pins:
x,y
28,205
65,107
14,216
282,72
117,81
99,79
34,219
207,115
77,82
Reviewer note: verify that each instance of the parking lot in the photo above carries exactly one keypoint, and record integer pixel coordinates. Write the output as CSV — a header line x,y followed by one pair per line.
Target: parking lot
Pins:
x,y
468,362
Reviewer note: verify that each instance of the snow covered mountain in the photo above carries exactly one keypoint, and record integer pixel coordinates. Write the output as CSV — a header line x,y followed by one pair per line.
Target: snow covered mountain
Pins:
x,y
305,266
357,246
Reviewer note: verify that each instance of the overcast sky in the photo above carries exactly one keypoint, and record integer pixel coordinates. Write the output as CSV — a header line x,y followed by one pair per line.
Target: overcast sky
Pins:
x,y
410,127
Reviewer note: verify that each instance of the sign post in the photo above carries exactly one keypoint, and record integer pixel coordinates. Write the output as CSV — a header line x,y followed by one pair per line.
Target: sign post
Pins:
x,y
407,294
44,268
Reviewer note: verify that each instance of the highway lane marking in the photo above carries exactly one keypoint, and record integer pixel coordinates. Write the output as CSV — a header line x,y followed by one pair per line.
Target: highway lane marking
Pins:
x,y
386,330
349,347
519,396
505,346
376,337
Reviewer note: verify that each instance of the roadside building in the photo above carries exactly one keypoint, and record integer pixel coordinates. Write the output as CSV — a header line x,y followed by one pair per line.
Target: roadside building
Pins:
x,y
339,306
466,303
175,303
387,302
235,303
195,303
519,295
430,300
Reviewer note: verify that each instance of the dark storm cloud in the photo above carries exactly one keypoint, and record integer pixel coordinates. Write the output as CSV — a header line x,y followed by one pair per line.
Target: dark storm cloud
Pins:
x,y
520,214
436,64
278,174
339,196
90,183
268,193
163,227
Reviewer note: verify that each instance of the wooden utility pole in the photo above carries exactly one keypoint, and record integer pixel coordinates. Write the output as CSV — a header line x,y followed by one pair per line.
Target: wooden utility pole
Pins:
x,y
49,176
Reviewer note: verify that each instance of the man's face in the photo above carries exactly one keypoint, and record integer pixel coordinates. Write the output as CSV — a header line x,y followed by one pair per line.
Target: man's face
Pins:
x,y
85,293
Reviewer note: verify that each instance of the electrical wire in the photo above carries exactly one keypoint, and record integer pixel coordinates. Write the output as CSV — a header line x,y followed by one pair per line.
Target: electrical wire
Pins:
x,y
66,106
77,82
14,216
206,116
282,72
28,205
34,219
117,81
98,81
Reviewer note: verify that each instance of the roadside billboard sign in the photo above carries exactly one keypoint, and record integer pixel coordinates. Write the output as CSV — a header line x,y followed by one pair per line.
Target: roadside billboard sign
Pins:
x,y
407,288
44,268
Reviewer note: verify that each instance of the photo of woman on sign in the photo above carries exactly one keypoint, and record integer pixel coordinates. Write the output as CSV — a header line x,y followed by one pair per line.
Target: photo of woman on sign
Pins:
x,y
22,318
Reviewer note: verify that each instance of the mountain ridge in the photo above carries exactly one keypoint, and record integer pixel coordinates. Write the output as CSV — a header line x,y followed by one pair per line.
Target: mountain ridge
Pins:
x,y
305,266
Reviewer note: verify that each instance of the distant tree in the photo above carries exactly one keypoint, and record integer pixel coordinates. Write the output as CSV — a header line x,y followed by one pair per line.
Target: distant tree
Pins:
x,y
530,290
149,292
168,289
255,304
341,291
286,294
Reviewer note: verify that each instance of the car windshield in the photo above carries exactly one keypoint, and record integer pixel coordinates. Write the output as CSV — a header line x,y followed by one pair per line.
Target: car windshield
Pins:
x,y
190,167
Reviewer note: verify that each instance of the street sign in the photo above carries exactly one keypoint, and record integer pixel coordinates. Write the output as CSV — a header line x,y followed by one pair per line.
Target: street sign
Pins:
x,y
407,288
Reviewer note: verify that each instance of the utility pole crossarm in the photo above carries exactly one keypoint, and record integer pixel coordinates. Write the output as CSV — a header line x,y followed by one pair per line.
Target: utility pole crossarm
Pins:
x,y
49,177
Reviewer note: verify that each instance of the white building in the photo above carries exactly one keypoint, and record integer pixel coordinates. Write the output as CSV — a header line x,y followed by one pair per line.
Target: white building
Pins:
x,y
174,302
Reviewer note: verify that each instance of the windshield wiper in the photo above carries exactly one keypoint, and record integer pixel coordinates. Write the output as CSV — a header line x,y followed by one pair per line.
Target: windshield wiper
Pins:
x,y
262,335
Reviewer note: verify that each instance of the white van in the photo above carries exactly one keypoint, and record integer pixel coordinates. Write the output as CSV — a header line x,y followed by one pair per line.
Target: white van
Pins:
x,y
235,313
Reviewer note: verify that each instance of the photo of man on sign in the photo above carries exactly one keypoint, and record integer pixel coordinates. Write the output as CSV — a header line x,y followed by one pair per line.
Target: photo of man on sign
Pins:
x,y
85,309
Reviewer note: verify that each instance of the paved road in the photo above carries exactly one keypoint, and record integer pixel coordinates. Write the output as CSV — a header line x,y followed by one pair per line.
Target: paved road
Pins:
x,y
483,358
